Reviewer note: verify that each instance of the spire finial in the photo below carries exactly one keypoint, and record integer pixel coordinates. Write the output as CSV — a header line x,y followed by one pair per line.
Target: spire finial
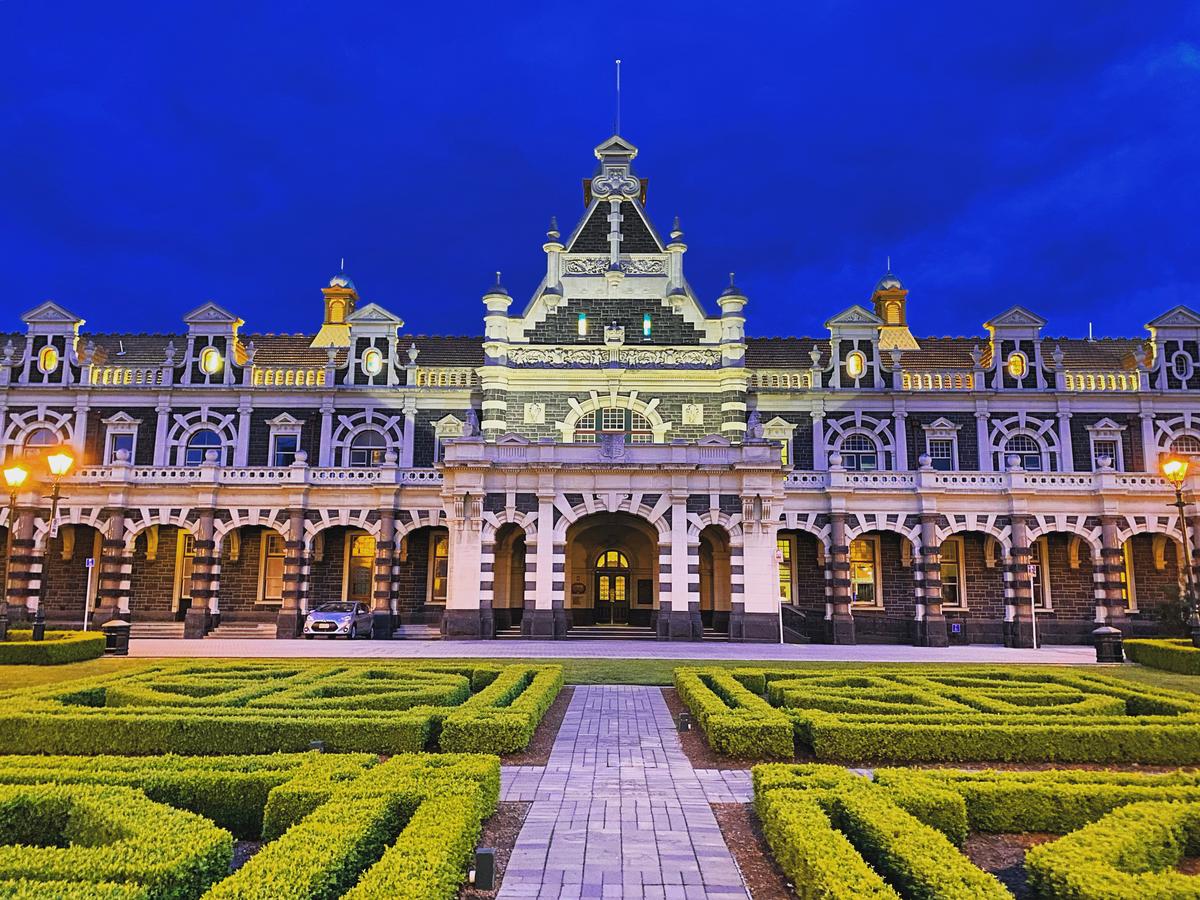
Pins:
x,y
553,232
343,268
617,128
497,279
731,284
889,264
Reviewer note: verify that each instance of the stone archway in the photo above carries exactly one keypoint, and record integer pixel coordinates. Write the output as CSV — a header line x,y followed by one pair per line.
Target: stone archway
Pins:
x,y
508,576
716,580
611,573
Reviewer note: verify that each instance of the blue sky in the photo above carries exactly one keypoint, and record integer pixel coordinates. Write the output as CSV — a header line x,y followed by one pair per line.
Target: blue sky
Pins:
x,y
155,156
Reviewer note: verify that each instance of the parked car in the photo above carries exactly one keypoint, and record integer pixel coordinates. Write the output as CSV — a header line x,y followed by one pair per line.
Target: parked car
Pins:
x,y
340,619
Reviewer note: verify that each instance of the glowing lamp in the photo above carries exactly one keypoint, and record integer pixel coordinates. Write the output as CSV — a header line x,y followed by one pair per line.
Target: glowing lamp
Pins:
x,y
14,476
1175,470
60,463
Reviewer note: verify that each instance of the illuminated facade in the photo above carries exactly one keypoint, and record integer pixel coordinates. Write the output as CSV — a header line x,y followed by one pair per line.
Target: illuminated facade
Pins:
x,y
611,454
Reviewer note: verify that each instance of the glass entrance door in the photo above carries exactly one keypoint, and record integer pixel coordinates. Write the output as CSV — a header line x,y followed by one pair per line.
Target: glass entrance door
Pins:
x,y
612,588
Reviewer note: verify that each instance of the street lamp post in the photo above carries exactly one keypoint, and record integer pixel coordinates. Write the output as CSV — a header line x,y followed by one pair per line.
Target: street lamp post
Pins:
x,y
59,464
1175,471
14,477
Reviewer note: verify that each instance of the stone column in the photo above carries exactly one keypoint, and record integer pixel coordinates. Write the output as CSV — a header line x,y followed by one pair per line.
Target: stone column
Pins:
x,y
1020,585
983,440
549,570
674,605
295,578
900,463
841,623
385,558
1110,604
930,624
206,567
116,569
1066,452
462,618
758,605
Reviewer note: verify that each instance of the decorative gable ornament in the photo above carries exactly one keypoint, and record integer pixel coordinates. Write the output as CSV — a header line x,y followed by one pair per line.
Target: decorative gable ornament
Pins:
x,y
50,318
855,315
212,319
374,314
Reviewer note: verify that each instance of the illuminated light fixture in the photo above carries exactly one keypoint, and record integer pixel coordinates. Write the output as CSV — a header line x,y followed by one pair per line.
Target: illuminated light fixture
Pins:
x,y
582,324
210,361
1017,364
14,476
372,361
856,364
60,463
47,359
1175,470
646,325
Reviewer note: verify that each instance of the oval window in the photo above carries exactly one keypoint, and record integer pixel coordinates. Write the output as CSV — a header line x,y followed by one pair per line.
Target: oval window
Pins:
x,y
1018,365
210,360
856,364
372,361
48,359
1181,366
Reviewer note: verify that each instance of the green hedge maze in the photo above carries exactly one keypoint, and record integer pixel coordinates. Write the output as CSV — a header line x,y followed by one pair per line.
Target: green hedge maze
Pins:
x,y
248,707
945,714
839,834
333,825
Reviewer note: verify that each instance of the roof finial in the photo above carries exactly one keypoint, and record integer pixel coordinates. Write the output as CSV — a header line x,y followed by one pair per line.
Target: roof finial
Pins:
x,y
731,279
343,268
553,233
889,262
617,128
497,279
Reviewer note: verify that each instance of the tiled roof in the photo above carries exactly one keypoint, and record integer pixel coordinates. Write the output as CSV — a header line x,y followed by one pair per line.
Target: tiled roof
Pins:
x,y
593,237
784,353
445,349
134,349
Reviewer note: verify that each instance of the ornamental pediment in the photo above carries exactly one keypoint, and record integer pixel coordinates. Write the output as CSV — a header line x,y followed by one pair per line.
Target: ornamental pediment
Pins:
x,y
1016,317
855,315
285,419
211,313
1177,317
50,313
374,314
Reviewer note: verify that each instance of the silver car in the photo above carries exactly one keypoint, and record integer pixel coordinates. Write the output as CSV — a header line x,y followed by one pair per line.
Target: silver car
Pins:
x,y
339,619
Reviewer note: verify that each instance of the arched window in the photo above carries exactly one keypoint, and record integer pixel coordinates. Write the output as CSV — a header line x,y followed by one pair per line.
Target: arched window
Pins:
x,y
39,441
1028,449
612,559
1186,445
367,449
612,420
198,446
859,453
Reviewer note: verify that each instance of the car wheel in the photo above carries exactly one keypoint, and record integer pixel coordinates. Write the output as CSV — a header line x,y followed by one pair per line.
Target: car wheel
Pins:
x,y
353,632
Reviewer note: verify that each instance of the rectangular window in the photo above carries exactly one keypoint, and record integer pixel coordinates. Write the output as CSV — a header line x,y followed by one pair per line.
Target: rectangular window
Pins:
x,y
284,447
1039,573
185,561
612,419
646,324
941,454
582,324
953,596
271,590
783,553
119,441
1128,587
864,572
785,455
1104,448
439,566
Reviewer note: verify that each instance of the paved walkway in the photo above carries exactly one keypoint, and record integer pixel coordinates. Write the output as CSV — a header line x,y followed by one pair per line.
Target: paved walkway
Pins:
x,y
619,812
582,649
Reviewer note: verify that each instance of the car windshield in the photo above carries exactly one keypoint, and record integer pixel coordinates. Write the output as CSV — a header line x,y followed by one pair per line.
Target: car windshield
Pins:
x,y
335,607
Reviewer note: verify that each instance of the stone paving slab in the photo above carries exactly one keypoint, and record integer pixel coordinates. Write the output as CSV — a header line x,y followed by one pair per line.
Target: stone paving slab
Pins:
x,y
619,812
584,649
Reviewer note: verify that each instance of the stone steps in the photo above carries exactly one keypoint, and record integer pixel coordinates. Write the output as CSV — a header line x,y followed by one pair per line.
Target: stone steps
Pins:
x,y
155,630
416,633
244,631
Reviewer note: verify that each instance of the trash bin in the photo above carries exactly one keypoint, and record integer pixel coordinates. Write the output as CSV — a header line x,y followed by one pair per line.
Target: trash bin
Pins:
x,y
1108,643
116,637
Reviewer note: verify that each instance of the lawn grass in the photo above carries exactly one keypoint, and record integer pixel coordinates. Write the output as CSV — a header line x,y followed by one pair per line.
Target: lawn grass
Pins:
x,y
589,671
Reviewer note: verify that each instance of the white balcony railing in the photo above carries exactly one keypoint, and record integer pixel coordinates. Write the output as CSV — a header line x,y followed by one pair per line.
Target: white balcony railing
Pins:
x,y
252,475
1145,483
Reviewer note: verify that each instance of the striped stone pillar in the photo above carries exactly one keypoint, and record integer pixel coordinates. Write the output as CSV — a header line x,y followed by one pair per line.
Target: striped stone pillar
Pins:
x,y
695,624
1019,587
546,568
206,577
1110,599
295,578
840,627
931,624
25,568
116,571
385,582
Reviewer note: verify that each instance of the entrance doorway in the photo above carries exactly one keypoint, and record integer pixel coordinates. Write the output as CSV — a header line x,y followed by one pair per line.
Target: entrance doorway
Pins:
x,y
360,571
612,588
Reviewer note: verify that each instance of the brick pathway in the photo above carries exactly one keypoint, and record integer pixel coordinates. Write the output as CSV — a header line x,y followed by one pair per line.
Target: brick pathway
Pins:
x,y
619,812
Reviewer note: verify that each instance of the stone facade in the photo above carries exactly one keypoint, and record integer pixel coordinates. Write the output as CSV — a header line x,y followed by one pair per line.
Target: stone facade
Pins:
x,y
616,452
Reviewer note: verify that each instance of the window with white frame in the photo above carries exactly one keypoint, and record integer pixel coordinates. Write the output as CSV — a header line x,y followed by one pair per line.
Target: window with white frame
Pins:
x,y
1105,450
39,440
367,449
783,554
120,433
941,444
1029,451
779,429
1039,572
270,588
199,442
439,565
1105,436
1186,445
613,420
864,572
952,574
285,439
860,453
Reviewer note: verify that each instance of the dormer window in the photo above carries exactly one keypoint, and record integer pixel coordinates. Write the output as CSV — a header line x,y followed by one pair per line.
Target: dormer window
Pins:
x,y
47,359
856,364
372,362
1017,365
210,361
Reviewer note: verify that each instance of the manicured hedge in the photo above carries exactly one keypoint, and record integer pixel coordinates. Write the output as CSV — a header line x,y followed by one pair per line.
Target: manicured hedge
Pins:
x,y
83,833
58,647
1172,655
944,714
248,707
1127,855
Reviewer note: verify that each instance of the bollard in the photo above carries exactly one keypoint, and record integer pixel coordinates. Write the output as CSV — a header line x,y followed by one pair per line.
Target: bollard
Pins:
x,y
483,876
1108,643
116,637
